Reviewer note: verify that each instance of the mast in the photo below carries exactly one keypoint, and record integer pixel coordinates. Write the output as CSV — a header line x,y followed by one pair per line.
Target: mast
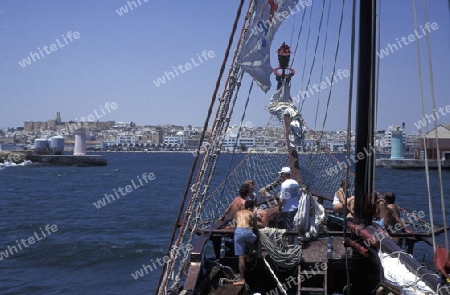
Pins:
x,y
365,271
365,106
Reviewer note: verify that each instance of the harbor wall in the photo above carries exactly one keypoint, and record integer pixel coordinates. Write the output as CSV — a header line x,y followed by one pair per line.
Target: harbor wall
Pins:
x,y
69,160
411,163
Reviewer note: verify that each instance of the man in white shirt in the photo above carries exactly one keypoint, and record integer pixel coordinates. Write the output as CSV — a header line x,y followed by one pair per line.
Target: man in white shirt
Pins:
x,y
289,197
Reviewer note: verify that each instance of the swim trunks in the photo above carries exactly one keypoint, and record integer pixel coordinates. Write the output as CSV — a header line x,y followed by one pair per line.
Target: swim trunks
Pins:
x,y
242,237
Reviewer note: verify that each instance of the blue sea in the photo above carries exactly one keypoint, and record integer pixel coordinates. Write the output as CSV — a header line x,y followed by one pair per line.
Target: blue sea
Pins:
x,y
72,246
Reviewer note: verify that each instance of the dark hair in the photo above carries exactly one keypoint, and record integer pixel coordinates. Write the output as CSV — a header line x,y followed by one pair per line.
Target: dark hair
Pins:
x,y
343,183
249,204
389,197
244,190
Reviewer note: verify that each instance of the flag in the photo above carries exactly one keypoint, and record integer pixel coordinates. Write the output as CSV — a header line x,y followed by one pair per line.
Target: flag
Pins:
x,y
265,21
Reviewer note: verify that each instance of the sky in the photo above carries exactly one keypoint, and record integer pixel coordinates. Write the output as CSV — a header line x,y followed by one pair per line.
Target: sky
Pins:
x,y
103,62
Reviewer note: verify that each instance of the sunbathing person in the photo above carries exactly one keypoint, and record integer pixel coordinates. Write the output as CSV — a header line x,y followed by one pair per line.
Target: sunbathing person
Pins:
x,y
389,214
339,200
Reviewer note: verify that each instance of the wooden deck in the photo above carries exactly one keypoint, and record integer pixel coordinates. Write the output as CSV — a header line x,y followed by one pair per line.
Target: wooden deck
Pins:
x,y
229,290
316,251
323,267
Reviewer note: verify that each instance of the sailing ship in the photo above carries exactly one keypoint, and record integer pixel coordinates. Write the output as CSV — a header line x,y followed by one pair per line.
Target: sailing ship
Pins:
x,y
336,256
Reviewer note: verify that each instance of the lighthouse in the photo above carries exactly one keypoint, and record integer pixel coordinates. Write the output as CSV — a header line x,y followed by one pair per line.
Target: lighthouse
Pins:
x,y
397,145
80,143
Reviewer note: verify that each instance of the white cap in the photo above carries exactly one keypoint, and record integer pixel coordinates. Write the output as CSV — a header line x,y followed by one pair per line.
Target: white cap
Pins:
x,y
285,170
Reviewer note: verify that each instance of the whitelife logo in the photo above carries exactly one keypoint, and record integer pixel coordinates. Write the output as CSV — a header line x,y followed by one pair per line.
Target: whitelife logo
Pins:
x,y
31,240
391,48
53,47
146,177
195,62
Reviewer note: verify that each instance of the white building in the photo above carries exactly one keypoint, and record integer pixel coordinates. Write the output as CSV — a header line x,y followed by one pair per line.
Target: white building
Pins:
x,y
178,139
126,139
232,141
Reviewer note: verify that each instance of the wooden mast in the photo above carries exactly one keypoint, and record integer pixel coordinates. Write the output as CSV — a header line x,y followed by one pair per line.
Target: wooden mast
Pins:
x,y
365,106
366,274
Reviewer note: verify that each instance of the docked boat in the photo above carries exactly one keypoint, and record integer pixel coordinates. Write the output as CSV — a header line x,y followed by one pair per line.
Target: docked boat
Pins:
x,y
335,253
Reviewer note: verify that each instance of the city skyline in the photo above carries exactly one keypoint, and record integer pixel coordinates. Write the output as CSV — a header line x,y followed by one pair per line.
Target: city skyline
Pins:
x,y
94,118
158,62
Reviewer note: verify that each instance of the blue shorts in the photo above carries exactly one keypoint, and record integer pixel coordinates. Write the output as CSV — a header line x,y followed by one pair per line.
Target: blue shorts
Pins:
x,y
242,237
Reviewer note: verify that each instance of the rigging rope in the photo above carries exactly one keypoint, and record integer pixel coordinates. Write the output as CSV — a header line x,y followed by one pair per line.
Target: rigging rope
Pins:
x,y
298,37
323,59
235,144
349,127
168,268
377,73
194,211
334,65
334,70
284,256
280,286
316,46
433,99
306,52
427,174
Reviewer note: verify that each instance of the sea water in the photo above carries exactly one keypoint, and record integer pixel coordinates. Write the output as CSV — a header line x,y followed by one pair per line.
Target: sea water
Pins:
x,y
101,247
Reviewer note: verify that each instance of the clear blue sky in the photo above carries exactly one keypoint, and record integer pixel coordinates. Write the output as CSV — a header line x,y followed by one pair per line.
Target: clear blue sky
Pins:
x,y
117,59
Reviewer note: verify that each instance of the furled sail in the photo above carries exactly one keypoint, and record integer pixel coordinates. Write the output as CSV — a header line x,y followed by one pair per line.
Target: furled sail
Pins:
x,y
309,216
266,18
281,105
398,274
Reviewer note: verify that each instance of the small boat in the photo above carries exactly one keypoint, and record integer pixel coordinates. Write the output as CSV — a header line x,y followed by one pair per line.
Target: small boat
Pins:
x,y
26,163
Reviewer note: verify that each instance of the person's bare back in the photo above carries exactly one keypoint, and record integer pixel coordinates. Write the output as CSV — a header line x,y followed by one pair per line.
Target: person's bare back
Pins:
x,y
244,218
392,220
236,206
381,209
389,213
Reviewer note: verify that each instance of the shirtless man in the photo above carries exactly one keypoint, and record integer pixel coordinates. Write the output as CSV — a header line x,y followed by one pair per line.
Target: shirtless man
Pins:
x,y
243,236
238,203
389,214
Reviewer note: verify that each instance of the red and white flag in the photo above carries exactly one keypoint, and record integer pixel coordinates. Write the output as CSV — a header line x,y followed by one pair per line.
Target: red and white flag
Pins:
x,y
265,21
